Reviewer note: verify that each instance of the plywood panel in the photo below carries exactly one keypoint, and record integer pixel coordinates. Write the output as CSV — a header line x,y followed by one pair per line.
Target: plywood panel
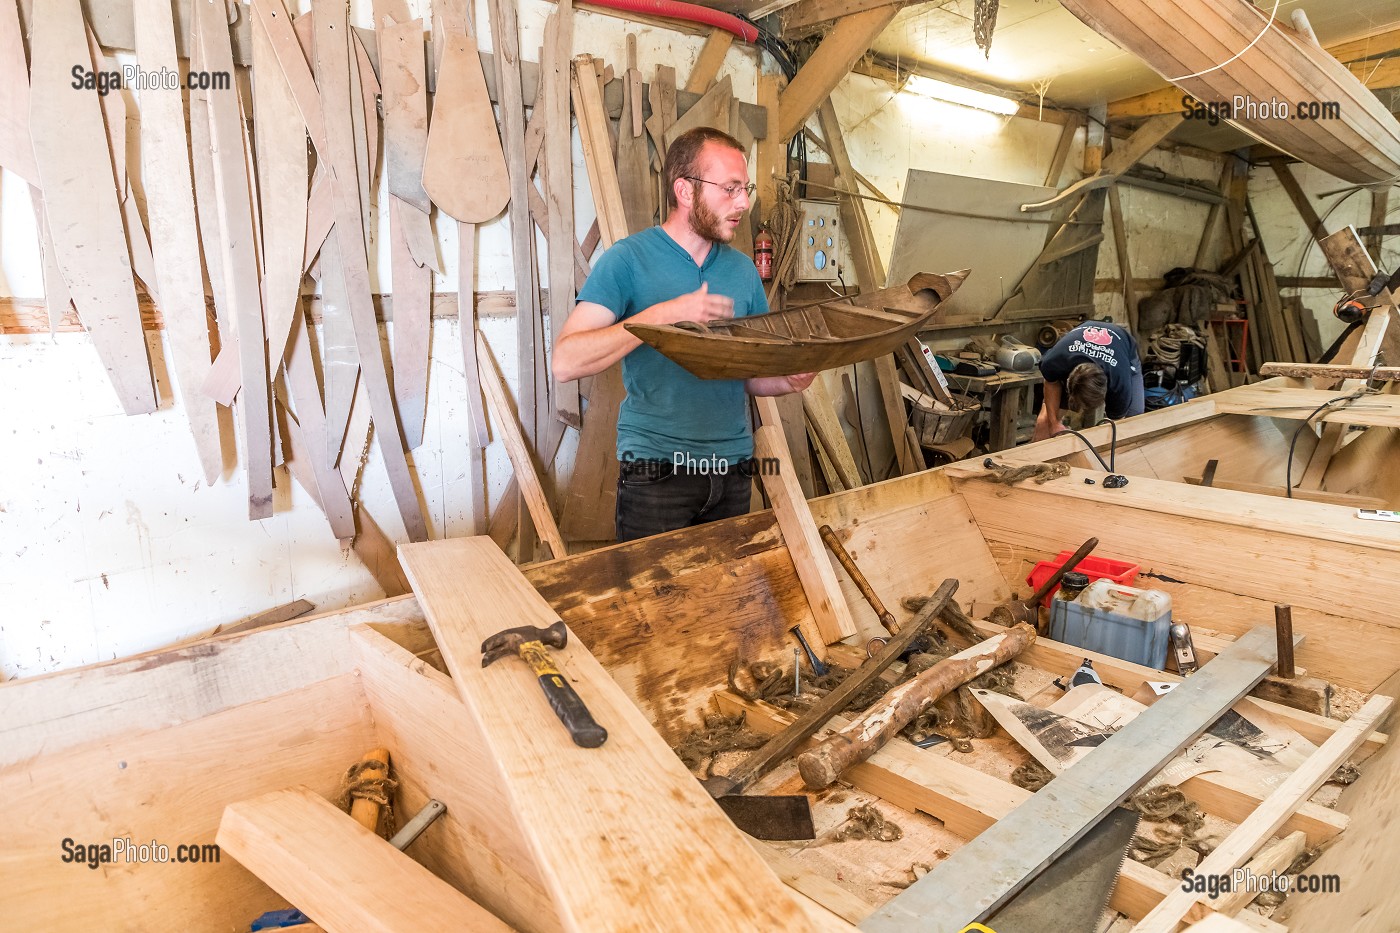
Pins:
x,y
1000,250
169,786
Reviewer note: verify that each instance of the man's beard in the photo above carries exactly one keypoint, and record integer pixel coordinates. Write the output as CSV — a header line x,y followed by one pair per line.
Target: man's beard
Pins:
x,y
707,223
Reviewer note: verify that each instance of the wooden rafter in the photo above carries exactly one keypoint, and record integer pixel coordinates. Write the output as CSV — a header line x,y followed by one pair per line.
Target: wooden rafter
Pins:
x,y
831,62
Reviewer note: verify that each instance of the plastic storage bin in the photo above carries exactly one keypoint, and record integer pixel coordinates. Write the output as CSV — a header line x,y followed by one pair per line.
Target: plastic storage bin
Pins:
x,y
1096,568
1122,621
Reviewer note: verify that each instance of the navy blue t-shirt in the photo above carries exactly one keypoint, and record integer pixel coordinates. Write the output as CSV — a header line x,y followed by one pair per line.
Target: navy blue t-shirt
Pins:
x,y
1108,346
668,411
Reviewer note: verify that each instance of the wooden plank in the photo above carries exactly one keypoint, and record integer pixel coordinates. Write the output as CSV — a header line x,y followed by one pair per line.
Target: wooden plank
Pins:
x,y
827,65
81,204
816,402
404,82
240,262
413,288
817,886
1061,154
829,610
710,60
910,458
633,162
340,367
333,53
16,144
165,161
532,399
1298,404
1307,495
770,160
338,872
870,271
711,110
464,165
283,175
273,17
597,148
521,458
589,508
1125,266
558,176
330,489
574,803
1331,371
986,872
1263,823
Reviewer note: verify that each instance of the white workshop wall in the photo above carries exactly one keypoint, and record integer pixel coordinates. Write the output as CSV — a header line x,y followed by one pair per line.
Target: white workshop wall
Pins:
x,y
887,134
1290,244
111,543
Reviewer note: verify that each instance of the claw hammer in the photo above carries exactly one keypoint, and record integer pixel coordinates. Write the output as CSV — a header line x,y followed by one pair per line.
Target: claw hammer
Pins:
x,y
532,644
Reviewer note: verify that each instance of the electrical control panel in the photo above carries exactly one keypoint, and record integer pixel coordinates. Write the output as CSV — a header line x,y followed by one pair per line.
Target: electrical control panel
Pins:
x,y
821,255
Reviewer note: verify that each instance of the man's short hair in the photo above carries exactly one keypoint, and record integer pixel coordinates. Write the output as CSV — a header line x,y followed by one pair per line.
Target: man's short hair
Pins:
x,y
1086,387
683,155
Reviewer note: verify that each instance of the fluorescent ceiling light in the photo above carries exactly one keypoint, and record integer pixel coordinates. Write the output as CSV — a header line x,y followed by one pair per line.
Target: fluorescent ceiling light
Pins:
x,y
942,90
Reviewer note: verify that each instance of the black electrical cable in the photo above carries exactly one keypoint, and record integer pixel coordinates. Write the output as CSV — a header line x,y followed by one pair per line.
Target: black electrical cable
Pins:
x,y
1293,442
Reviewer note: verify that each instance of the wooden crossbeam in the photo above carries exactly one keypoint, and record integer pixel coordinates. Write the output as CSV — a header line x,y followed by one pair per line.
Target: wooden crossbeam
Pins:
x,y
814,569
831,62
711,59
339,873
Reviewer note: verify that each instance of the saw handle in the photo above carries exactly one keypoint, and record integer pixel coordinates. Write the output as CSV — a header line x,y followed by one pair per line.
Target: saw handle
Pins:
x,y
563,699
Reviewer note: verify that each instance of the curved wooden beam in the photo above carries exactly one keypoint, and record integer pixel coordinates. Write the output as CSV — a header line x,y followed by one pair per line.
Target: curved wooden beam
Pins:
x,y
1083,186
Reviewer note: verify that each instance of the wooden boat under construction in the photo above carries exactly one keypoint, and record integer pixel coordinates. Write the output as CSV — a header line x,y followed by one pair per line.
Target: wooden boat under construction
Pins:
x,y
241,740
1221,50
807,339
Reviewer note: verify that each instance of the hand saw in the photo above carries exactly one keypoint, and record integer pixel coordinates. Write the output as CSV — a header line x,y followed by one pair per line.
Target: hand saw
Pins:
x,y
1072,893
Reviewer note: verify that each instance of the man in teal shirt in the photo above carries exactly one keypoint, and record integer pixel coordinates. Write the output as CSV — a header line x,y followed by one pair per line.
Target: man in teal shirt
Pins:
x,y
684,443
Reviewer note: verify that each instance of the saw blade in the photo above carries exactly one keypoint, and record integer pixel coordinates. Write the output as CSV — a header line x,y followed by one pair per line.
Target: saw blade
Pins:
x,y
1072,893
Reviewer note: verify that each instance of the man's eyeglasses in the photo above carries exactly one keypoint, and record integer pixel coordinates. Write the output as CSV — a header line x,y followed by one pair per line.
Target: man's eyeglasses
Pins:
x,y
732,189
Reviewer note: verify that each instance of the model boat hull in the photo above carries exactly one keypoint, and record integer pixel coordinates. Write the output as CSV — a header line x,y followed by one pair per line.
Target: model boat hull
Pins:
x,y
805,340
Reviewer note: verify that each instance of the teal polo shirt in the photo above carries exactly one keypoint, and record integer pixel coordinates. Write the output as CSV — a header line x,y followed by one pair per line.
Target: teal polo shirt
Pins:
x,y
668,411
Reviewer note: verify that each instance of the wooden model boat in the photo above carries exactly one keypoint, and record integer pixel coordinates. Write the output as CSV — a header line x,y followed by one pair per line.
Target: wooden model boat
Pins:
x,y
803,340
1230,48
547,836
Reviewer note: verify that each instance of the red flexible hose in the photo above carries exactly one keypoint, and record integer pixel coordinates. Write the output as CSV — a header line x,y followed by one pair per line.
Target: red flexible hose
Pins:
x,y
691,12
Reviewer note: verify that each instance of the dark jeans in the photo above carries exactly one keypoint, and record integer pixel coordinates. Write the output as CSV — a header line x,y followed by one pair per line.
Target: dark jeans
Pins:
x,y
653,497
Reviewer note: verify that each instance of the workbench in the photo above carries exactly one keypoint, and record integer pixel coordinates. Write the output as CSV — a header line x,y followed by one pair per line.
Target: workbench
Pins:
x,y
1006,395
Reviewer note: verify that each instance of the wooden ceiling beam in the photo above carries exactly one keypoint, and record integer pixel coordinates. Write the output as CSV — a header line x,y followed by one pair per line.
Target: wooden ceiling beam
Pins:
x,y
1361,56
831,62
1380,42
802,16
